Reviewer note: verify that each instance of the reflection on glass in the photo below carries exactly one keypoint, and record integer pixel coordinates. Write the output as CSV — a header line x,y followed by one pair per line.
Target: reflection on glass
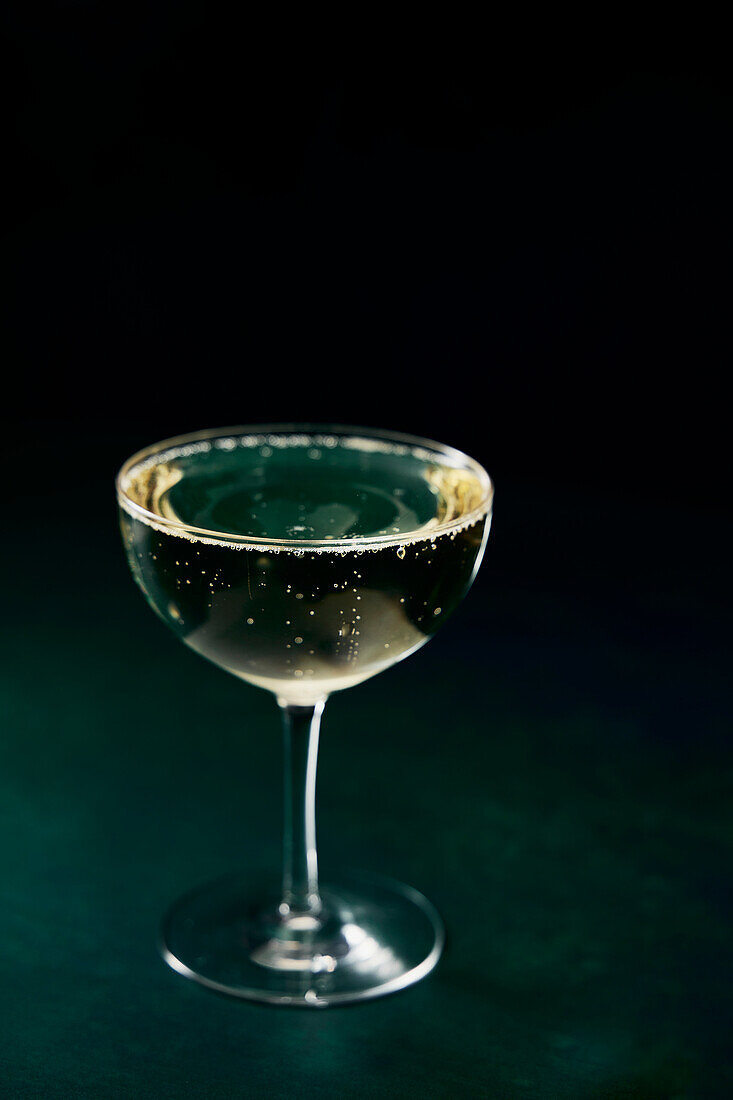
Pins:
x,y
304,561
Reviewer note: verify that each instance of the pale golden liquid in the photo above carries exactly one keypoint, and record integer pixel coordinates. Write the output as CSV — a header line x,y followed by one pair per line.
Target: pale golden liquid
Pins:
x,y
304,622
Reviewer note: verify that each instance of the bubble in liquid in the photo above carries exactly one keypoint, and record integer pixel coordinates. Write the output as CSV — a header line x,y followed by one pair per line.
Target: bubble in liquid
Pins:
x,y
298,640
437,611
401,553
250,622
299,595
311,612
298,672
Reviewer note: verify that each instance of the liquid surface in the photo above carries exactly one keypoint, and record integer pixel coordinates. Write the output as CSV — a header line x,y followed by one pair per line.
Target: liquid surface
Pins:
x,y
304,487
303,621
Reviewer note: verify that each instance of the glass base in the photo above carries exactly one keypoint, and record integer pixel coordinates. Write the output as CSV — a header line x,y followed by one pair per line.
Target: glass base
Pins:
x,y
369,939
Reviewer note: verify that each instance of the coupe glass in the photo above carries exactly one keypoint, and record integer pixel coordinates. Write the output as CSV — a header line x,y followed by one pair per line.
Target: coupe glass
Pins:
x,y
303,560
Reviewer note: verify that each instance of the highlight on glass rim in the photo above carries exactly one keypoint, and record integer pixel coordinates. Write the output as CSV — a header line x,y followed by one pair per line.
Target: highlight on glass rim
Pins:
x,y
303,560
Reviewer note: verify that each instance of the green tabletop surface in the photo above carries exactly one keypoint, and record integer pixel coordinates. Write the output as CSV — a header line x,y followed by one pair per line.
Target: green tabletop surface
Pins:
x,y
552,771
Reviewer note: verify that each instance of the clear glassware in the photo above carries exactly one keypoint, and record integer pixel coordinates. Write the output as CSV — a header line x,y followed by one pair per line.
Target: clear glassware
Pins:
x,y
303,560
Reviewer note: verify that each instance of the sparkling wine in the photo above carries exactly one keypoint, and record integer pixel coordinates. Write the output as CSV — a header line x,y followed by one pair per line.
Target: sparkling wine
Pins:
x,y
303,563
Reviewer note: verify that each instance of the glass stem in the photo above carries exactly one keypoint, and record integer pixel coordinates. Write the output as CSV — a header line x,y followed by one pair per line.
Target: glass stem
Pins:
x,y
301,726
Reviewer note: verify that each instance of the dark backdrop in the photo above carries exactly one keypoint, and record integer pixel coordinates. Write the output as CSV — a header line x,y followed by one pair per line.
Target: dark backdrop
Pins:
x,y
515,241
513,244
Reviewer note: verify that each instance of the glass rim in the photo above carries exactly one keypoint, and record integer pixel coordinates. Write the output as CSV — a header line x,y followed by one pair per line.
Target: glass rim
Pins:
x,y
358,542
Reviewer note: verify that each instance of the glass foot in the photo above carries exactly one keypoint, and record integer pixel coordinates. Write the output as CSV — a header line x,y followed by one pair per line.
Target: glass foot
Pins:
x,y
369,939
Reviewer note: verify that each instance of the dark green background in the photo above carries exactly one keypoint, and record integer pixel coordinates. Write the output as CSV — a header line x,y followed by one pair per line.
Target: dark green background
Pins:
x,y
552,771
517,243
